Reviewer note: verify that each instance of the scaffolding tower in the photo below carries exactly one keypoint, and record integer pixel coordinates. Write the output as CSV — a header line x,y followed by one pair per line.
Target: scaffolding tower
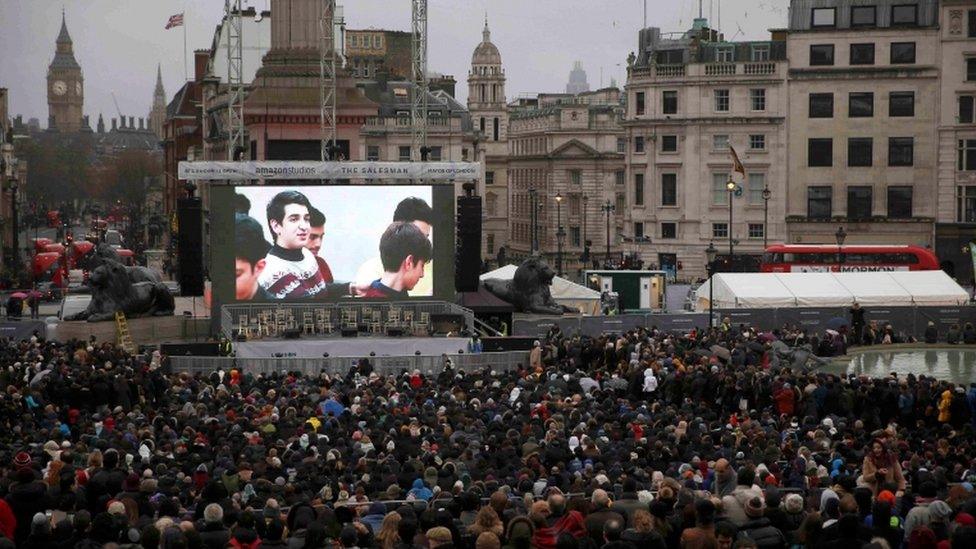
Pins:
x,y
327,80
235,81
418,100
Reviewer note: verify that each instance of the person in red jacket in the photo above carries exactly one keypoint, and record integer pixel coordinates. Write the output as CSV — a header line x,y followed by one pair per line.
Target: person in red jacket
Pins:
x,y
785,399
8,522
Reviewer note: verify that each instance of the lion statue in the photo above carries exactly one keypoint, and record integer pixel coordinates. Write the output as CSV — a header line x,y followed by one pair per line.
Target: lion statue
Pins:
x,y
97,256
112,291
528,290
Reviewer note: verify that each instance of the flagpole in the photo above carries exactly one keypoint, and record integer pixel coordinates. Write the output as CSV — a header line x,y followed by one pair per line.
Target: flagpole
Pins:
x,y
186,76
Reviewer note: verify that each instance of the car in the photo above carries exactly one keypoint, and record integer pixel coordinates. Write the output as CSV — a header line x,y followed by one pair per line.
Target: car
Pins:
x,y
114,238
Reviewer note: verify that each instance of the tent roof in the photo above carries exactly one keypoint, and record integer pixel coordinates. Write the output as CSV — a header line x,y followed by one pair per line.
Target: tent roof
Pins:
x,y
759,290
560,289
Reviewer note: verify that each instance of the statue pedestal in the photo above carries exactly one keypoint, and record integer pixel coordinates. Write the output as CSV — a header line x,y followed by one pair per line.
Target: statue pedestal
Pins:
x,y
154,260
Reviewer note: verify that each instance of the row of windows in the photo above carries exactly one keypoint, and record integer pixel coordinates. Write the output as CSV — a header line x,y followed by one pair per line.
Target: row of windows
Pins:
x,y
820,152
860,201
365,41
720,142
756,183
722,101
901,53
865,16
861,104
669,230
373,153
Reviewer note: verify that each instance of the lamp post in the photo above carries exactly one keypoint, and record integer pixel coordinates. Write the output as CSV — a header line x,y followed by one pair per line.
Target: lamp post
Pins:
x,y
608,208
730,186
840,236
585,256
766,193
710,253
559,234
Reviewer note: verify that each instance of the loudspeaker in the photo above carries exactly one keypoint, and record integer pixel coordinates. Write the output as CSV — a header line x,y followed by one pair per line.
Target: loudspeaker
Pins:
x,y
189,215
349,332
394,332
467,255
291,333
192,349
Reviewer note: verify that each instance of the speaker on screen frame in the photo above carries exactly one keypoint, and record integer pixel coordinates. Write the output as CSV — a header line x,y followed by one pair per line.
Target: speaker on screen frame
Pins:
x,y
190,246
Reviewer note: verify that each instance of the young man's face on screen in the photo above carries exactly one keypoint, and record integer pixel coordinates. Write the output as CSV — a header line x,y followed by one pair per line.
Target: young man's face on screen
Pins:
x,y
315,239
423,226
293,231
413,274
247,278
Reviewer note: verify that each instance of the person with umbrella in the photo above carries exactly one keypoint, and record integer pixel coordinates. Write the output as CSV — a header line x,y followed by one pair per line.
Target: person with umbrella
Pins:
x,y
15,304
34,302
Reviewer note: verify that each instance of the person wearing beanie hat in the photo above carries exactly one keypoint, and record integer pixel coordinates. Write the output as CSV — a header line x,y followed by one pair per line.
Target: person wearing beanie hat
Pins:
x,y
759,528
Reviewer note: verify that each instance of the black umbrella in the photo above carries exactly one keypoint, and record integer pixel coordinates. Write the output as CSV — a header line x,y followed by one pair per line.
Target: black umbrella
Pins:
x,y
836,323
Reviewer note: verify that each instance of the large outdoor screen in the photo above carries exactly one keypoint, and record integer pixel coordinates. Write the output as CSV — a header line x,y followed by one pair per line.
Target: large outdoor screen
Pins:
x,y
322,243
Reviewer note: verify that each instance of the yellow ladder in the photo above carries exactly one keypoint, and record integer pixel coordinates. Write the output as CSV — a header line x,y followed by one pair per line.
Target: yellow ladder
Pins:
x,y
122,335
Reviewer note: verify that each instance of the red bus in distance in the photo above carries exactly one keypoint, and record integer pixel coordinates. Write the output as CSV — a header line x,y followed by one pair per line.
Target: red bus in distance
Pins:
x,y
822,258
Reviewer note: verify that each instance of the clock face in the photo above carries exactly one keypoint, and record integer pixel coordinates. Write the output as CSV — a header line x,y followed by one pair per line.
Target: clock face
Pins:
x,y
60,88
77,88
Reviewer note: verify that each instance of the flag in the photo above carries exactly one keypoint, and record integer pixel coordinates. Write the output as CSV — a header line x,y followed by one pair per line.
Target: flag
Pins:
x,y
175,21
736,165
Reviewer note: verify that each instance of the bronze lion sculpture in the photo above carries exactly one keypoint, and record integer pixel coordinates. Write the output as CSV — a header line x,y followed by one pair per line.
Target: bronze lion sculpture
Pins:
x,y
112,290
528,290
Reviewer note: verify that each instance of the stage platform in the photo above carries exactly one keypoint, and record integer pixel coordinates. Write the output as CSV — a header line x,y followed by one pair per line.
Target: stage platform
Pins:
x,y
350,347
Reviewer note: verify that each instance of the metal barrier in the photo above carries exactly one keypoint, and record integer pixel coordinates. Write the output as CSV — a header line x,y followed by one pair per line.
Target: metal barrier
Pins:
x,y
230,313
537,326
427,364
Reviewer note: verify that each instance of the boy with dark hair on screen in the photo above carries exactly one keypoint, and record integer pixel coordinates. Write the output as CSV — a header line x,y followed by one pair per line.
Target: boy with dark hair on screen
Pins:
x,y
291,271
404,251
410,210
317,231
250,249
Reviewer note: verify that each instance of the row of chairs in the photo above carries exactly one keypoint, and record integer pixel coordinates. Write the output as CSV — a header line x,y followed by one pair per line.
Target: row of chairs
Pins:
x,y
275,322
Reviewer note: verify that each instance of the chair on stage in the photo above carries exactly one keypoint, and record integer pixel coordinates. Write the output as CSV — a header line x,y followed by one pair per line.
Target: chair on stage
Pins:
x,y
323,321
308,324
376,322
422,326
350,320
393,318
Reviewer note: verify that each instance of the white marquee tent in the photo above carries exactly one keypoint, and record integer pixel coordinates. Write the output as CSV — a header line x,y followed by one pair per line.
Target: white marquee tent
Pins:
x,y
563,291
767,290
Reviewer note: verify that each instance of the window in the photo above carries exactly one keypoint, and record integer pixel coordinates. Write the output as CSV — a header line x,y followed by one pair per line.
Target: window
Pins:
x,y
757,99
818,202
859,202
670,57
669,143
901,104
638,229
863,16
821,54
823,17
372,153
757,142
901,151
720,142
722,100
760,52
491,204
669,102
574,237
972,23
821,105
899,202
757,182
966,108
490,240
670,230
669,189
639,143
720,194
966,155
404,153
435,154
619,177
862,54
860,104
489,178
621,144
638,189
720,230
820,152
576,177
724,54
902,53
860,151
966,212
756,230
971,69
639,103
906,14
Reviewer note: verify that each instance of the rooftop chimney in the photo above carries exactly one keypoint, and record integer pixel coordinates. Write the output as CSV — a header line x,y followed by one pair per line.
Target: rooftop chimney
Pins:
x,y
200,60
142,123
114,126
132,122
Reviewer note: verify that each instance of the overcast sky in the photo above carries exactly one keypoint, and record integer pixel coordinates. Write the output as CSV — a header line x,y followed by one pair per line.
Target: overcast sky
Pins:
x,y
118,43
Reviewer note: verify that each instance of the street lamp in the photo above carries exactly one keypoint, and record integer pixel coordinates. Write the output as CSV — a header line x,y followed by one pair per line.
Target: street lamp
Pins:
x,y
586,245
840,236
559,234
766,193
710,253
730,185
608,208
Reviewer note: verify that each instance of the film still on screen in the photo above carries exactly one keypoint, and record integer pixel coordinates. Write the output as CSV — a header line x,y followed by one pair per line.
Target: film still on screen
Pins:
x,y
326,243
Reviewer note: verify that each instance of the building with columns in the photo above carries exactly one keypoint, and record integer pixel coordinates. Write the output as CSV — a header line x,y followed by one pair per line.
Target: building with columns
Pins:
x,y
489,114
690,97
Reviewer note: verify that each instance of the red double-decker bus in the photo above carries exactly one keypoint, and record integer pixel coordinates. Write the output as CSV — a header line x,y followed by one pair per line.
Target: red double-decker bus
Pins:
x,y
814,258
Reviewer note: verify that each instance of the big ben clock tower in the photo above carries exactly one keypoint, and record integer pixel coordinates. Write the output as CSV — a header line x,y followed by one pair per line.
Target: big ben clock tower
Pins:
x,y
65,86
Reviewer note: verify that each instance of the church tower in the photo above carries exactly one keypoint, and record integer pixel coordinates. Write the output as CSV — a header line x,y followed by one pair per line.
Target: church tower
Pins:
x,y
157,116
65,85
486,103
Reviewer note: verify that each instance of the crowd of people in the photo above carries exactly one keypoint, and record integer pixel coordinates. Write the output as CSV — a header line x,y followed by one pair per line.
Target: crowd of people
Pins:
x,y
718,438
